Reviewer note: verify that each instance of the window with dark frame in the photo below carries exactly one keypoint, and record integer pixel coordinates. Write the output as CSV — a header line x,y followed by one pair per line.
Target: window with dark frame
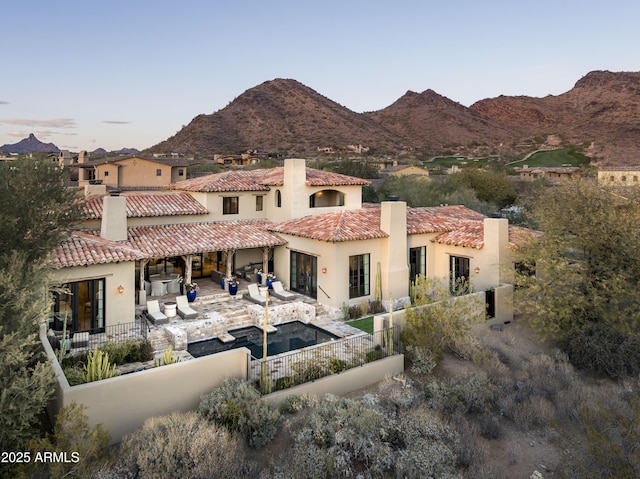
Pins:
x,y
359,275
259,205
417,262
159,172
459,274
230,205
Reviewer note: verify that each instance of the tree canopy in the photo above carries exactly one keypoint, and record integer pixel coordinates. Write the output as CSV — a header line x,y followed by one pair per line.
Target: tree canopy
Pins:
x,y
586,262
36,211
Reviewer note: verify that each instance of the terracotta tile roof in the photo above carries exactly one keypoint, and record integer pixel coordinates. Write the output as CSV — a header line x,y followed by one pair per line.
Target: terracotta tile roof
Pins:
x,y
620,168
188,238
275,177
260,180
470,235
434,219
349,225
146,205
82,249
234,180
548,169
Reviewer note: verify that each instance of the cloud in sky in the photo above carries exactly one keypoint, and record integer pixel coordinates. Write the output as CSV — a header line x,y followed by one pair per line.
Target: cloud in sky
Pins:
x,y
53,123
2,102
18,134
116,122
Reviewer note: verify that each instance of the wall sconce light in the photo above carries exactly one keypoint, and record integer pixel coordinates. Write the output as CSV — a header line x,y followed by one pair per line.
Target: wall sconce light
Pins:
x,y
477,270
324,270
120,289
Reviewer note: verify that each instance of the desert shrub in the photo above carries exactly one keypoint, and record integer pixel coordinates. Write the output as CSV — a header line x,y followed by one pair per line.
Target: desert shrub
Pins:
x,y
71,435
74,375
374,355
310,369
76,359
457,397
237,406
183,445
129,351
294,403
375,307
285,382
398,392
336,365
534,412
604,350
430,445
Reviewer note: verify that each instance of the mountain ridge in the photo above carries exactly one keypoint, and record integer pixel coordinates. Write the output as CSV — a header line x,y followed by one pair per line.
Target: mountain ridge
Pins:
x,y
600,114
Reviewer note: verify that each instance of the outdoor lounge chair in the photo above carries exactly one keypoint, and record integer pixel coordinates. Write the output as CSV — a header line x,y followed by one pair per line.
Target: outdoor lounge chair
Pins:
x,y
255,296
280,293
154,314
184,310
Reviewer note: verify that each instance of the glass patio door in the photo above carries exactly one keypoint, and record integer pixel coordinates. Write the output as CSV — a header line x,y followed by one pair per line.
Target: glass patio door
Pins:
x,y
303,274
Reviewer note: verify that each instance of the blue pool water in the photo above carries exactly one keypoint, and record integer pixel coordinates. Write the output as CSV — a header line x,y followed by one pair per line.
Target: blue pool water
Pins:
x,y
288,337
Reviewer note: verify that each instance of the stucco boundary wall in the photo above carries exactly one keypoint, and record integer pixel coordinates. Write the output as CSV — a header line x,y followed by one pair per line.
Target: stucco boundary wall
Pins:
x,y
123,403
344,382
503,301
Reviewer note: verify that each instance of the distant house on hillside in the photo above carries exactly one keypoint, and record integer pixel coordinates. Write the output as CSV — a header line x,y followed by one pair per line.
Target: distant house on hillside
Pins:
x,y
552,173
619,175
236,160
133,172
382,163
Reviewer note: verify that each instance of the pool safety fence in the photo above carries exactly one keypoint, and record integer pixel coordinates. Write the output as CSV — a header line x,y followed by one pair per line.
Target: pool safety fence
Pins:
x,y
314,362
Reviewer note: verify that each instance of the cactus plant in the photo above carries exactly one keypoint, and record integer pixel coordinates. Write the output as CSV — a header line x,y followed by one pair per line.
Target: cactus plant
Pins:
x,y
168,357
98,367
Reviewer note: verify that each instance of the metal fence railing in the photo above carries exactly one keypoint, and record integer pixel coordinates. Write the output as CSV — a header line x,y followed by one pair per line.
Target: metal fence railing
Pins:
x,y
117,333
314,362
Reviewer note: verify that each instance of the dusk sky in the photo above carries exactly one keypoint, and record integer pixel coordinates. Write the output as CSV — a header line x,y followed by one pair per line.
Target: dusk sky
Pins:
x,y
116,74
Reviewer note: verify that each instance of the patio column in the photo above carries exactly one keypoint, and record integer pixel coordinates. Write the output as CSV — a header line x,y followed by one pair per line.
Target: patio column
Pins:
x,y
229,253
187,266
265,263
143,264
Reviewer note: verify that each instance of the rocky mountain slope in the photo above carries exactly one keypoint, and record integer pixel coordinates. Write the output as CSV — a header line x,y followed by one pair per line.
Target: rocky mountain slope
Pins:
x,y
29,145
601,114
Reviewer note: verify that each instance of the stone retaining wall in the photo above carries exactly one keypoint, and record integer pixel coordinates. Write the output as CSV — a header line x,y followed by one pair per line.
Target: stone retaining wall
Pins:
x,y
283,313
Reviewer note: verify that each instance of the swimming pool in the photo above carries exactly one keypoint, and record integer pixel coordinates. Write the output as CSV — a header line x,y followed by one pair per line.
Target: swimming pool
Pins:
x,y
288,337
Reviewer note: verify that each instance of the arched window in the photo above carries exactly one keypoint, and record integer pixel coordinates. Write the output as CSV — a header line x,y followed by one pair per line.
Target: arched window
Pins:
x,y
278,199
326,198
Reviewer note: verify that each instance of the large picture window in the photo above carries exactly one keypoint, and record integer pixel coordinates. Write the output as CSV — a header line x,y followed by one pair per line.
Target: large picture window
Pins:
x,y
417,262
81,305
230,205
459,274
358,275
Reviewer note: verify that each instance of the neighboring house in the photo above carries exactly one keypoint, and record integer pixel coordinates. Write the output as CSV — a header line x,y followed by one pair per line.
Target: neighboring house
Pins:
x,y
236,160
559,173
382,163
619,175
308,226
405,170
133,172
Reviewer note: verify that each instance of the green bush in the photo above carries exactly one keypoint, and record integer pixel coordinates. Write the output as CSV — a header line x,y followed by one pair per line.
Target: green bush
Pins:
x,y
182,445
294,403
374,355
285,382
237,406
129,351
604,350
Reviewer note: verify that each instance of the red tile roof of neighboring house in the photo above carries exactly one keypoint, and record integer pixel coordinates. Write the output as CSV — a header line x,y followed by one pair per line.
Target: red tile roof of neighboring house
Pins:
x,y
146,205
83,249
260,180
349,225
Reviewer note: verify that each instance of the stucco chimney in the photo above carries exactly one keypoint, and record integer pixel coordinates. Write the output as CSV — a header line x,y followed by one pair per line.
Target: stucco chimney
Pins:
x,y
394,267
114,217
294,192
496,243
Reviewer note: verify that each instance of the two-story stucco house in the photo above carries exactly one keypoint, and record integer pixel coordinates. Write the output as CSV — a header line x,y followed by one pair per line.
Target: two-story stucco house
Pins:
x,y
308,226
